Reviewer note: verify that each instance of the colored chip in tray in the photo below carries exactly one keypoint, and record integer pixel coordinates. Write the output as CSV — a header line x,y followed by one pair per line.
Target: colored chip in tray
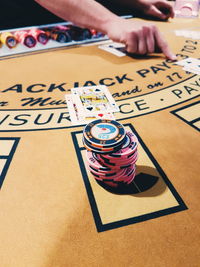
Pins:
x,y
8,39
96,34
25,38
39,35
79,34
111,152
60,34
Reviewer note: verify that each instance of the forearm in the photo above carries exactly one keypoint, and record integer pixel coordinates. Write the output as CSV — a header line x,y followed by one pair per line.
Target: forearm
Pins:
x,y
83,13
131,4
138,37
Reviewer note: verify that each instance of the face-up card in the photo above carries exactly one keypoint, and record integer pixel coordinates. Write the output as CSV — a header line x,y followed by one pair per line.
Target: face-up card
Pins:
x,y
189,62
192,70
73,110
104,116
78,118
194,34
94,100
116,49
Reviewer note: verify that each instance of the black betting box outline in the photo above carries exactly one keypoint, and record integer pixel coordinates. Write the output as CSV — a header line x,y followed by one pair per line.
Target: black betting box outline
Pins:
x,y
104,227
191,123
8,158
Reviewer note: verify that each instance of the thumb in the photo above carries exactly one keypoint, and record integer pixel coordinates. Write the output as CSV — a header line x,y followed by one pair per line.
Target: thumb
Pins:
x,y
154,11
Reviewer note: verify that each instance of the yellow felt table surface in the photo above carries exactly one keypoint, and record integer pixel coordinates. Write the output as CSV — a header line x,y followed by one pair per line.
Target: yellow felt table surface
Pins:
x,y
52,212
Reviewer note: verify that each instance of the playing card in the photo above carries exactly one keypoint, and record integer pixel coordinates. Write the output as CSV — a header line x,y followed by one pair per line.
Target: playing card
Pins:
x,y
73,110
192,70
78,118
188,34
105,116
189,62
94,100
116,49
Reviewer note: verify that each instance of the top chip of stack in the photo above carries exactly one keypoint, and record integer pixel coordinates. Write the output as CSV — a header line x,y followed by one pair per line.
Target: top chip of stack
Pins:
x,y
104,136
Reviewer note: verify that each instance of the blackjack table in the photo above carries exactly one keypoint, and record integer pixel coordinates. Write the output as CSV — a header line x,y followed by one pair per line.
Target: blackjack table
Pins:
x,y
52,210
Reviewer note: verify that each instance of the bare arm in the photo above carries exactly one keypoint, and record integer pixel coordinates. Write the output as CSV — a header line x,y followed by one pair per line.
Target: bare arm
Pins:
x,y
84,13
139,37
161,9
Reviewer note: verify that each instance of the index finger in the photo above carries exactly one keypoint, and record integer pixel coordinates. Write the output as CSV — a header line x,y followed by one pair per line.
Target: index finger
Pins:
x,y
166,8
163,45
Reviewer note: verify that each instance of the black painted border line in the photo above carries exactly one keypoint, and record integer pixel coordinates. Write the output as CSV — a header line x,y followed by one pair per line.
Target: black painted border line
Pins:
x,y
174,112
9,157
191,123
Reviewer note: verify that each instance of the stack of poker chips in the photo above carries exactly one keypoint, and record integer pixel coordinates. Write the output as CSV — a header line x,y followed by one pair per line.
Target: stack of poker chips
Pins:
x,y
111,152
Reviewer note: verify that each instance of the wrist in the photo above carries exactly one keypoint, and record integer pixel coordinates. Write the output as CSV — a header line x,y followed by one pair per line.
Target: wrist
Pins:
x,y
108,24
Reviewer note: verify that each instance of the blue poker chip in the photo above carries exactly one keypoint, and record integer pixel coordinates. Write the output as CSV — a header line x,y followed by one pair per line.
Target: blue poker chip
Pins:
x,y
127,150
104,133
89,147
108,147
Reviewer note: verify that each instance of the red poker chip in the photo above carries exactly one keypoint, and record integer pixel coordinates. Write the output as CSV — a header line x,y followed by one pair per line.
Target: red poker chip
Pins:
x,y
128,147
39,35
118,161
118,164
123,166
124,163
128,179
125,180
128,172
112,184
131,179
108,178
107,167
106,173
92,161
100,178
25,38
103,174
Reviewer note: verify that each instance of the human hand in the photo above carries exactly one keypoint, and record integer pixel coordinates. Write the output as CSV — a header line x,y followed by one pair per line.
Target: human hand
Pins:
x,y
160,9
139,37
